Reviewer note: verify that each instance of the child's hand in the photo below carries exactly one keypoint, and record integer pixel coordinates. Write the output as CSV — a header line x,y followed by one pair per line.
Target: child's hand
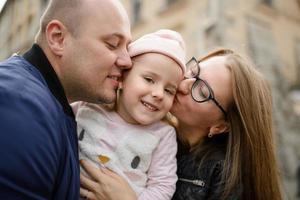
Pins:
x,y
103,185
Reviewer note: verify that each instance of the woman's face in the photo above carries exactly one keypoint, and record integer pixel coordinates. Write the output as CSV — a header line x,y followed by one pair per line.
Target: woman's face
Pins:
x,y
205,114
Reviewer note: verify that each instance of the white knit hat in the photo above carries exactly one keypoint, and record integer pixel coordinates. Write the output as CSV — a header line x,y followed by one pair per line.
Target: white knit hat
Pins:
x,y
164,41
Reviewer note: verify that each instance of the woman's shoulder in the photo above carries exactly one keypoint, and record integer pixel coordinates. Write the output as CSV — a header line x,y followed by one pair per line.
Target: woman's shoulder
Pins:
x,y
189,166
195,178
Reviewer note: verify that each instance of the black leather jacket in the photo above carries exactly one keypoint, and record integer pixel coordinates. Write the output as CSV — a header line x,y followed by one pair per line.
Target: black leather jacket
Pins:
x,y
196,183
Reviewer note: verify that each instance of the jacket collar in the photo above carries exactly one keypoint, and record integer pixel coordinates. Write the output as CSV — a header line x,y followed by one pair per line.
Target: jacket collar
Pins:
x,y
38,59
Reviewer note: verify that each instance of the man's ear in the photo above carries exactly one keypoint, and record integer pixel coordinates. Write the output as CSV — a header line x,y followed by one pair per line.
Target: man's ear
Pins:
x,y
55,35
222,127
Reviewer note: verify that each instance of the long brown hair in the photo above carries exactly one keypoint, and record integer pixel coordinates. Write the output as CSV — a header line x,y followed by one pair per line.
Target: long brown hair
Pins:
x,y
250,158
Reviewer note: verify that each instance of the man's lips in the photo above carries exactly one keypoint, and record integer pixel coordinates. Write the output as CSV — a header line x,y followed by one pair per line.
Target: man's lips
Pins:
x,y
114,80
114,77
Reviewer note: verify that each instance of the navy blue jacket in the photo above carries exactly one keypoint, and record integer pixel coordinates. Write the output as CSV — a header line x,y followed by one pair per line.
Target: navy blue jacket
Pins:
x,y
38,145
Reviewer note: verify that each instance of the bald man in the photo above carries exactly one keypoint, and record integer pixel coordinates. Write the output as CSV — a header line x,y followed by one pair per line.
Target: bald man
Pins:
x,y
79,55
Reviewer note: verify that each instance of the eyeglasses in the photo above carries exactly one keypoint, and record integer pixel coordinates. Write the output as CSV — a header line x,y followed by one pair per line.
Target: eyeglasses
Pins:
x,y
201,91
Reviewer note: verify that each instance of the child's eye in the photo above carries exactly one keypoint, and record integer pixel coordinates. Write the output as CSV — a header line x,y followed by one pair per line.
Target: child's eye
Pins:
x,y
149,80
170,91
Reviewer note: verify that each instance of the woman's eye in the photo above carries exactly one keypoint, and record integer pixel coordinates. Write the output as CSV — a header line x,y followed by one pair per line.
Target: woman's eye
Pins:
x,y
204,92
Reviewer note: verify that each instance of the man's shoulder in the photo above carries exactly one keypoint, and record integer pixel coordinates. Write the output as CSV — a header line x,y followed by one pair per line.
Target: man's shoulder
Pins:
x,y
17,69
22,85
26,103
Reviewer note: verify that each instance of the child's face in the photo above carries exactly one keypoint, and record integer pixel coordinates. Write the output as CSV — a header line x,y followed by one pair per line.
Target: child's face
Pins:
x,y
149,88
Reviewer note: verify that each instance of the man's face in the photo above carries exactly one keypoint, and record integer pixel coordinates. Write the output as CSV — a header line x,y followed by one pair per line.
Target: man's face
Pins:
x,y
94,58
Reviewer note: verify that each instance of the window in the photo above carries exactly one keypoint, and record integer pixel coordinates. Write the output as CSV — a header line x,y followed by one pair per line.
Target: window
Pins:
x,y
267,2
213,37
261,43
213,10
165,4
136,11
169,2
297,57
298,181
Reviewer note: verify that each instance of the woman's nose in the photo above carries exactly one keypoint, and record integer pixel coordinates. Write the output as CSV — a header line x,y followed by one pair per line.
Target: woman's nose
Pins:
x,y
185,86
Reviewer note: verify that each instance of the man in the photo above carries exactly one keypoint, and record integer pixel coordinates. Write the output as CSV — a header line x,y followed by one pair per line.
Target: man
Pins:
x,y
79,55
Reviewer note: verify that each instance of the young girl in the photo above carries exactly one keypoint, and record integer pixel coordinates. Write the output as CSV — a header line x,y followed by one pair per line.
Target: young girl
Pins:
x,y
132,140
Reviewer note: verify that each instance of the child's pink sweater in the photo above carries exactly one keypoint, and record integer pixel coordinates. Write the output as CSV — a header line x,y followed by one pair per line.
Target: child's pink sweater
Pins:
x,y
144,155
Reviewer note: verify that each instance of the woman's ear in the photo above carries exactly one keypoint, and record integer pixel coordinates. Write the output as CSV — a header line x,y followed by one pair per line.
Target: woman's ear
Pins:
x,y
55,35
222,127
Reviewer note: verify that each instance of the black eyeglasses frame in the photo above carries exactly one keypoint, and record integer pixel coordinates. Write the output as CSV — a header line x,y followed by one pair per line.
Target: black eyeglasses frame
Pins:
x,y
211,95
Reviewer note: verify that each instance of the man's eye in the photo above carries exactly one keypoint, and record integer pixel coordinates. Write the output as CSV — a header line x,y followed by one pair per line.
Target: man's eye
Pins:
x,y
111,46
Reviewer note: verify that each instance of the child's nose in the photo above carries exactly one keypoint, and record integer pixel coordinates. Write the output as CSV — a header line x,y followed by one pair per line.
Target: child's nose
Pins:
x,y
158,93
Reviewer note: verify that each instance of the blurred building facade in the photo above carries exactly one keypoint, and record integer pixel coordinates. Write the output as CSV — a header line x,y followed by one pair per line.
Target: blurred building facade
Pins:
x,y
19,22
268,31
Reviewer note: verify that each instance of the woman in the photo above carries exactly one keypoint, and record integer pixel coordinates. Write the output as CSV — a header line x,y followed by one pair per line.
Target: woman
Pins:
x,y
223,116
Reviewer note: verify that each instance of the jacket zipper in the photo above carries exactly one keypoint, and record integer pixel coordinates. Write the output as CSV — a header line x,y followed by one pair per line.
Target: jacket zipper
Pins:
x,y
195,182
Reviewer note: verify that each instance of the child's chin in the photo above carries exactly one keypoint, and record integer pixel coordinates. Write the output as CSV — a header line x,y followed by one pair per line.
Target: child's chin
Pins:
x,y
149,121
145,122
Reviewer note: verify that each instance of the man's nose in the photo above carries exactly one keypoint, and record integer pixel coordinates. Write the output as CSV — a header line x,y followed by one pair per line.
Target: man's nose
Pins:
x,y
124,60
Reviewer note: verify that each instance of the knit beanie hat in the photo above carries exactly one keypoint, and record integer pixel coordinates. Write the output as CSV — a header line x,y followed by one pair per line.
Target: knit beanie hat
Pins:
x,y
164,41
